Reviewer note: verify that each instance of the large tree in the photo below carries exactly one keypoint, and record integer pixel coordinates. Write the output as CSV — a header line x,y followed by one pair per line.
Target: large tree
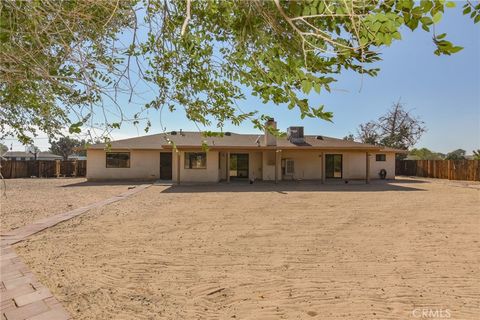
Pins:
x,y
425,154
33,150
62,61
66,146
476,154
3,149
398,128
458,154
368,132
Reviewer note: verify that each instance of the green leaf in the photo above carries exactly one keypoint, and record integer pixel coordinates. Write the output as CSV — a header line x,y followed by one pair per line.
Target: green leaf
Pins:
x,y
456,49
441,36
397,35
75,127
379,37
437,17
363,41
388,39
450,4
306,86
426,20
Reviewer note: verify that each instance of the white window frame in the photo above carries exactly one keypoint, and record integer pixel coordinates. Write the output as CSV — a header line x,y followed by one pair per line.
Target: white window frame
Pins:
x,y
287,172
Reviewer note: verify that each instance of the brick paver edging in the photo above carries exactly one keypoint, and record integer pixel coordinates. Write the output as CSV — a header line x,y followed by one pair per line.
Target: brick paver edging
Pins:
x,y
22,296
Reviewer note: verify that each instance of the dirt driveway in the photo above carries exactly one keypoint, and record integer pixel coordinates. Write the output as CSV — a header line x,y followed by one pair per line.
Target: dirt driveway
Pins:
x,y
292,251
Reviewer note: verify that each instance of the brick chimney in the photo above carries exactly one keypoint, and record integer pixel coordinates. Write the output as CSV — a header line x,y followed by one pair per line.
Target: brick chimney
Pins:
x,y
270,139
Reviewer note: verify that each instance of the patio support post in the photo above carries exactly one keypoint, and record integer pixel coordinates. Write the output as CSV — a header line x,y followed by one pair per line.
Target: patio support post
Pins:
x,y
277,155
75,168
228,167
367,168
57,168
322,166
177,153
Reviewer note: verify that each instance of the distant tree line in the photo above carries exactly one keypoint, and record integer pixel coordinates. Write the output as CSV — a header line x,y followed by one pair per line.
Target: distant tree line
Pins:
x,y
426,154
64,146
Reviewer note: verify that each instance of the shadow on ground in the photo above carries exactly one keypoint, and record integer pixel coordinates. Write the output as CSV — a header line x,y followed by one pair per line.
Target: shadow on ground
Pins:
x,y
106,183
293,186
399,184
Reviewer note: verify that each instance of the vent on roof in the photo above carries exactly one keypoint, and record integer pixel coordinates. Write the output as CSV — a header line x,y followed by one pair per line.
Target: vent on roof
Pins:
x,y
319,138
228,133
295,135
173,133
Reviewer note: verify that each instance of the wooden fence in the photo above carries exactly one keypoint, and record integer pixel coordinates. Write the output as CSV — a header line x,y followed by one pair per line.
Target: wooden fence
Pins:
x,y
43,168
441,169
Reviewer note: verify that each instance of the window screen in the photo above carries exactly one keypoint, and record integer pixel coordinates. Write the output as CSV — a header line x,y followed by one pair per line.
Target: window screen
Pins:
x,y
118,159
195,160
289,166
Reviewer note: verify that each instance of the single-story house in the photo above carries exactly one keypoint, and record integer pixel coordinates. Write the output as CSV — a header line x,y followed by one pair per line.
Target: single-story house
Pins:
x,y
181,156
22,155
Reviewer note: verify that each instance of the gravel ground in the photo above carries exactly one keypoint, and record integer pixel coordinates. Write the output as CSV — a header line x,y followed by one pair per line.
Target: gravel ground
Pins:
x,y
291,251
28,200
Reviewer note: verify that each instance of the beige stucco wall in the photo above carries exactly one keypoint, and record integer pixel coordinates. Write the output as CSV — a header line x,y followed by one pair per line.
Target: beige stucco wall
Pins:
x,y
268,165
307,164
210,174
254,164
388,165
144,164
354,165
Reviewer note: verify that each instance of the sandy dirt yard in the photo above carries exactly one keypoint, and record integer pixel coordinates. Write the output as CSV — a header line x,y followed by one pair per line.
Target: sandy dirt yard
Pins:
x,y
28,200
292,251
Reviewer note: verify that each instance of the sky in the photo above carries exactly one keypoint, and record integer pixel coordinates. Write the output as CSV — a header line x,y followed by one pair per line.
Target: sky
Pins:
x,y
443,91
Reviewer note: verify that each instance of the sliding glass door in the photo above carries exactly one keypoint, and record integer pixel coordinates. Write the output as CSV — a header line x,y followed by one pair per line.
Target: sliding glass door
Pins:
x,y
239,165
333,166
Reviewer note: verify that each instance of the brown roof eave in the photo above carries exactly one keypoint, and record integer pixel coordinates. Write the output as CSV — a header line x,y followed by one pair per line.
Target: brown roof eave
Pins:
x,y
313,148
214,147
394,150
124,148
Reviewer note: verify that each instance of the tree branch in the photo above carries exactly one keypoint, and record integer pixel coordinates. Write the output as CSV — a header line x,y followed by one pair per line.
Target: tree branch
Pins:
x,y
187,18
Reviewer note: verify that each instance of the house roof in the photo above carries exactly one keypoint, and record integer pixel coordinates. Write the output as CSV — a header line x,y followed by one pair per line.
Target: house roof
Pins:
x,y
388,149
23,154
191,139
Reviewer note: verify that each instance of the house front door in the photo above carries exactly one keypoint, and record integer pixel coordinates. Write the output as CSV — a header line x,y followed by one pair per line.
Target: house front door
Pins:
x,y
165,165
333,166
